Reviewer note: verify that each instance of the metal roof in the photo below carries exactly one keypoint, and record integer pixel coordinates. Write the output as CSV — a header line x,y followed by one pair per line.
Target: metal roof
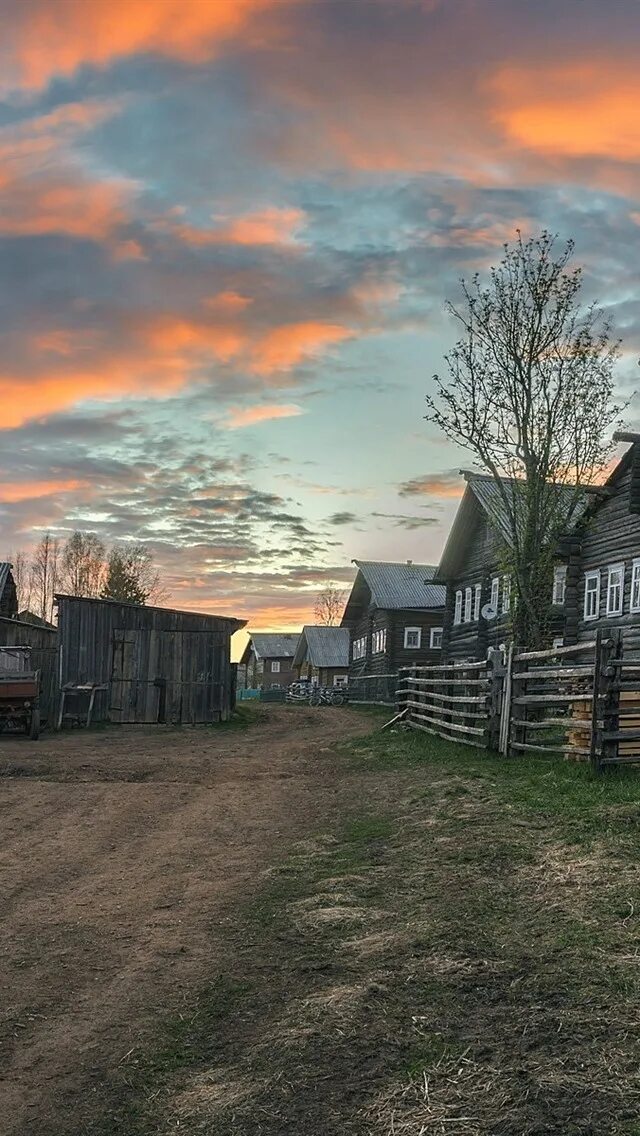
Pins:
x,y
482,490
276,645
323,647
402,585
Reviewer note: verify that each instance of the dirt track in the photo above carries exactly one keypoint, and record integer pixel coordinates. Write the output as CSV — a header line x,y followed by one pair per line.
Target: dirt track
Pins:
x,y
120,853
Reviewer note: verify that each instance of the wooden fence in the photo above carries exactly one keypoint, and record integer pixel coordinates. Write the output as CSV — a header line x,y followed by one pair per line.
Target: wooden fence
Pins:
x,y
582,701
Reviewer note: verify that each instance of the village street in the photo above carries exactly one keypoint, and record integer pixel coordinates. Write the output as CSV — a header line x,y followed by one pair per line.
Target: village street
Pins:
x,y
299,924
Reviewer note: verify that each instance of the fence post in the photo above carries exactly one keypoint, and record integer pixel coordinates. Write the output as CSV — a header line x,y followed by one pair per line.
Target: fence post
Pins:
x,y
606,699
496,674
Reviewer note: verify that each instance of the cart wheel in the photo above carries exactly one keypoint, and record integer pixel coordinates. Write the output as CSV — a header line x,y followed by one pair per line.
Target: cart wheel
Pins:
x,y
337,699
34,724
314,699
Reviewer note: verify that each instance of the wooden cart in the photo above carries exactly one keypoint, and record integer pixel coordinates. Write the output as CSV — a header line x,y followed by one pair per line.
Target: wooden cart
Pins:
x,y
19,692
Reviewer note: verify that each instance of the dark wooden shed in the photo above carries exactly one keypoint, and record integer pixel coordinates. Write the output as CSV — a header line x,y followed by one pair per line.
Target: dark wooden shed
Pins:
x,y
44,657
158,665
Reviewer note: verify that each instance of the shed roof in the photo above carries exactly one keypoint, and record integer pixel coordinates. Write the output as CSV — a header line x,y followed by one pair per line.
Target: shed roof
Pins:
x,y
234,624
271,645
483,495
323,647
401,585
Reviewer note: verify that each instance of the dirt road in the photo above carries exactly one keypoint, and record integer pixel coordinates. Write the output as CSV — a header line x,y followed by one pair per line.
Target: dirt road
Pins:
x,y
122,855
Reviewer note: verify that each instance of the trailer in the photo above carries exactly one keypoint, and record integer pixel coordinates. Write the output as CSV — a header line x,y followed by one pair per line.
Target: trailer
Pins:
x,y
19,692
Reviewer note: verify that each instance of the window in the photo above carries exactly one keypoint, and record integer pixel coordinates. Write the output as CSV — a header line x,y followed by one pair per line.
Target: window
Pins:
x,y
467,605
340,680
495,592
506,594
457,614
275,666
615,589
557,643
379,641
634,602
435,638
477,602
359,648
559,584
592,595
412,637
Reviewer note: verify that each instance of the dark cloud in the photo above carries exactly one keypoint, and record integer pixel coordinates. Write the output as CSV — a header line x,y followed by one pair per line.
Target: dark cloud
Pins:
x,y
344,518
404,521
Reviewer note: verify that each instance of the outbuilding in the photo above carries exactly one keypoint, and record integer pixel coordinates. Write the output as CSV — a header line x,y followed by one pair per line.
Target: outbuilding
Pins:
x,y
149,664
322,655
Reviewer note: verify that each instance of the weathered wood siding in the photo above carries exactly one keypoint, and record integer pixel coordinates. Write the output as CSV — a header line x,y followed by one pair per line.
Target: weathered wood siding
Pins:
x,y
611,535
160,665
485,560
44,658
396,654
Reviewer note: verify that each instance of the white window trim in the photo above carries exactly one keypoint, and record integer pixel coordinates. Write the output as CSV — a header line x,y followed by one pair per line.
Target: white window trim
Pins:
x,y
457,613
559,642
610,569
340,680
412,646
635,580
477,602
495,593
506,594
467,605
275,666
435,631
559,585
592,575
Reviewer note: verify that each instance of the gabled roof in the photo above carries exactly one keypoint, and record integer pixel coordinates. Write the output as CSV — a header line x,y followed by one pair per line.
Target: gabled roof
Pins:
x,y
401,585
271,645
482,496
323,647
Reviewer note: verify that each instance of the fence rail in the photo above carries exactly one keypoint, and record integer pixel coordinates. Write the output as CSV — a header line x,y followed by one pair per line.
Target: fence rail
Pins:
x,y
581,700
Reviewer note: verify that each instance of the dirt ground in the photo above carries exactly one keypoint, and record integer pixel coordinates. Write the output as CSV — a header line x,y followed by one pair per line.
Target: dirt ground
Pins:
x,y
123,854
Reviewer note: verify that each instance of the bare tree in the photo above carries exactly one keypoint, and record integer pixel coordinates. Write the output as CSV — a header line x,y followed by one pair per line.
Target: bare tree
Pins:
x,y
44,575
83,565
529,392
329,606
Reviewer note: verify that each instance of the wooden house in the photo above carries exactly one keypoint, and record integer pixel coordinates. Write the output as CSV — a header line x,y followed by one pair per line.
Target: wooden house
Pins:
x,y
394,616
152,664
8,594
268,658
322,655
600,558
473,567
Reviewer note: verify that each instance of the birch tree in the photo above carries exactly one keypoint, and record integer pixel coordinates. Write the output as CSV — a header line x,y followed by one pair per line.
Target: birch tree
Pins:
x,y
529,391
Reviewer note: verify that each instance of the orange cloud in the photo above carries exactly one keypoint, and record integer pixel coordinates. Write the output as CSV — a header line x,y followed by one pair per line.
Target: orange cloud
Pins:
x,y
286,346
45,40
272,226
585,109
433,484
90,210
12,492
251,415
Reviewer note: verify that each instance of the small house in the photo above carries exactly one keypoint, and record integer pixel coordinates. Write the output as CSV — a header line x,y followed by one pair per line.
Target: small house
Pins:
x,y
8,593
394,615
268,658
599,579
474,568
322,655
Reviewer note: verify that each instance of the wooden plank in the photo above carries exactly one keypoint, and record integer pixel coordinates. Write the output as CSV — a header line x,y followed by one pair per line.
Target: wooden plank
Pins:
x,y
446,667
542,699
447,737
525,656
476,730
551,749
450,682
553,672
477,699
545,723
449,712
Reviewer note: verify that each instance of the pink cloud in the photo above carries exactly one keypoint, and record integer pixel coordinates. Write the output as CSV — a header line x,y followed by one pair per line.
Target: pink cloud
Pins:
x,y
252,415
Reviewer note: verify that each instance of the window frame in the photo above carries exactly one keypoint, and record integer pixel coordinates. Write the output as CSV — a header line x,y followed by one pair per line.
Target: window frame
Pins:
x,y
559,579
635,580
457,610
495,594
477,602
611,568
275,666
435,631
592,574
468,601
505,607
359,648
412,646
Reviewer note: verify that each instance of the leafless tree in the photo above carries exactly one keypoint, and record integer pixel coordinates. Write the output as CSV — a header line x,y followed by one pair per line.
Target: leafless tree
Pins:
x,y
83,565
329,606
44,575
529,392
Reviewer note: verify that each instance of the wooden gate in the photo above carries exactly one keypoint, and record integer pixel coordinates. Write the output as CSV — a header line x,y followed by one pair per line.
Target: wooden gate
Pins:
x,y
166,676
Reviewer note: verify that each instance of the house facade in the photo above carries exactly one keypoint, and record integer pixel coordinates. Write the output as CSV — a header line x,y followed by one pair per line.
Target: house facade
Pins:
x,y
394,615
478,584
601,558
322,655
8,594
268,658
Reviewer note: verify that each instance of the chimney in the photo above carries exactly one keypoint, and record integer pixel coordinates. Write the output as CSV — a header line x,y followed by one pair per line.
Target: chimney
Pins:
x,y
409,562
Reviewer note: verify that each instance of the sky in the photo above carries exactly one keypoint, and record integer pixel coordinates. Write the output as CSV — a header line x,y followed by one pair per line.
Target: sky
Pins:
x,y
228,229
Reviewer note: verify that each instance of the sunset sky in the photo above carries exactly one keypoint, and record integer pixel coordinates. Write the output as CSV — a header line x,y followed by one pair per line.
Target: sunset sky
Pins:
x,y
228,229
